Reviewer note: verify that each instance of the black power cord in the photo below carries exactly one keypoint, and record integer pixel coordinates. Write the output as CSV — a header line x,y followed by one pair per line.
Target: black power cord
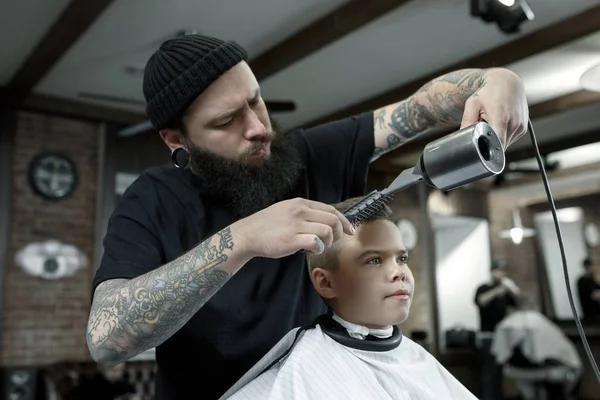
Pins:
x,y
586,346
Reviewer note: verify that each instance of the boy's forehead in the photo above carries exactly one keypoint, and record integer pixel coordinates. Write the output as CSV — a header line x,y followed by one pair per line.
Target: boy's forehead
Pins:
x,y
380,233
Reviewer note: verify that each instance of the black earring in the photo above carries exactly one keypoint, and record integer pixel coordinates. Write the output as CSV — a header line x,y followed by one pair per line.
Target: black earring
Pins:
x,y
180,157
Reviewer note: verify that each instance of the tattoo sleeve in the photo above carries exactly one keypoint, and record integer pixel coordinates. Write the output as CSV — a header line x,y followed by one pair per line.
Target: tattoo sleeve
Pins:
x,y
131,316
439,102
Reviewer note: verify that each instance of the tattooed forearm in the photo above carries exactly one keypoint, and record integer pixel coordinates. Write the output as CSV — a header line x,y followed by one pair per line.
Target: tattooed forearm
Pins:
x,y
439,102
379,118
443,99
406,119
131,316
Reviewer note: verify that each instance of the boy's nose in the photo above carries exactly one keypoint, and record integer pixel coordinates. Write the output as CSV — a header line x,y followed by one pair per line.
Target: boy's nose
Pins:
x,y
398,274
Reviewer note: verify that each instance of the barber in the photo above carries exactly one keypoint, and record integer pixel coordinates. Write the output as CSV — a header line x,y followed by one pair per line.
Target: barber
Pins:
x,y
588,289
202,258
494,300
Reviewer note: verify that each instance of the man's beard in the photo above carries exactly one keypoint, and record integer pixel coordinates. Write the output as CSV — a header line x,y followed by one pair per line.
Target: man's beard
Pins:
x,y
246,189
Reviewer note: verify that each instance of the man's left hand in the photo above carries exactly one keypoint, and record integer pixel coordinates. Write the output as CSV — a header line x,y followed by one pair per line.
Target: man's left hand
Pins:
x,y
501,102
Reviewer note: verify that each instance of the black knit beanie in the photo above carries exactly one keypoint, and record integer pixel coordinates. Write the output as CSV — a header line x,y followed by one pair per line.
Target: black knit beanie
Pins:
x,y
181,69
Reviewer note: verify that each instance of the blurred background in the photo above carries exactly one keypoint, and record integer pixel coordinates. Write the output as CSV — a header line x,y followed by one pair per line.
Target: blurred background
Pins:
x,y
73,136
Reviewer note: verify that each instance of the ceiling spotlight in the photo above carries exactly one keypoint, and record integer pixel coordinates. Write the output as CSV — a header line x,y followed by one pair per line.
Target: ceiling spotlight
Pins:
x,y
507,14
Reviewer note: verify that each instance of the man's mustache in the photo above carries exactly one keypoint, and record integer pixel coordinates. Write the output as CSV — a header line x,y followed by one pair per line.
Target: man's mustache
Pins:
x,y
258,143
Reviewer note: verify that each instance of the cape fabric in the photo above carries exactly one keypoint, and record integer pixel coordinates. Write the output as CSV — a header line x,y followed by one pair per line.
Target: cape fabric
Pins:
x,y
538,338
320,368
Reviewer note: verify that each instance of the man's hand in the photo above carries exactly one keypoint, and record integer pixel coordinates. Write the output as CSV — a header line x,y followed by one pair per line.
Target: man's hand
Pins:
x,y
510,285
501,102
292,225
484,298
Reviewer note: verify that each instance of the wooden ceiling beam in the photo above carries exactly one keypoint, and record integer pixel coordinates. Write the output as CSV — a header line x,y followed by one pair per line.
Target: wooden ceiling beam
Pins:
x,y
563,103
78,110
568,142
346,19
71,24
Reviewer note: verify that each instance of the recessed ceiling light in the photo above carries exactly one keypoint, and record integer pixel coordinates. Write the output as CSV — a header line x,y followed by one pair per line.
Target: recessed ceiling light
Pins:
x,y
590,79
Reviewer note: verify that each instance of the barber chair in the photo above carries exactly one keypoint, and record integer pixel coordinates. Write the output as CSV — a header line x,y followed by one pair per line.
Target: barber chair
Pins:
x,y
548,381
460,338
420,337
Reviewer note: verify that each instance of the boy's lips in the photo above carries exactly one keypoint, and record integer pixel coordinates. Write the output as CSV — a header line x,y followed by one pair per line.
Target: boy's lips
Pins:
x,y
402,293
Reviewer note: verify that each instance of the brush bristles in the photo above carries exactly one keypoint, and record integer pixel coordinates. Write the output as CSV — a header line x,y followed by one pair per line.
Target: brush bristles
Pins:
x,y
369,207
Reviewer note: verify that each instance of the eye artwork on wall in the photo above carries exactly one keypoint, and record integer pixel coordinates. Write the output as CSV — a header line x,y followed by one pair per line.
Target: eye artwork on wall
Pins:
x,y
50,259
410,235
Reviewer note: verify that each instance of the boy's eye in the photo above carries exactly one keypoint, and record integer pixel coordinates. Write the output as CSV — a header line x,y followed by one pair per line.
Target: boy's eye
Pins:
x,y
377,260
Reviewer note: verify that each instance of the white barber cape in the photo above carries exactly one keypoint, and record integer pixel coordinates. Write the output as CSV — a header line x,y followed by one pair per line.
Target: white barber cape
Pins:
x,y
539,338
320,368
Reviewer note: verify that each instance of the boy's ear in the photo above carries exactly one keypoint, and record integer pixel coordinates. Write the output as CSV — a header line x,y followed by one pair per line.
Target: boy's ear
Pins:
x,y
322,281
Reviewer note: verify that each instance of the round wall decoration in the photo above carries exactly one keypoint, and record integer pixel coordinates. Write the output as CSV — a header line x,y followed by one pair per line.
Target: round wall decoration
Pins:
x,y
53,176
409,232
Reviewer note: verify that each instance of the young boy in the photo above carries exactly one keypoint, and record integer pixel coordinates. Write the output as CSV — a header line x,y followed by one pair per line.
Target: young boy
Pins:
x,y
356,351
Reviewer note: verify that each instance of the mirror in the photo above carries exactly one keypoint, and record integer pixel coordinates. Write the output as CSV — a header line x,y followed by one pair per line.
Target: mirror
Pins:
x,y
571,221
462,251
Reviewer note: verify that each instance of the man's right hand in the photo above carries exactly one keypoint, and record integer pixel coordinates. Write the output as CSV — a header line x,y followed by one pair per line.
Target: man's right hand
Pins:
x,y
292,225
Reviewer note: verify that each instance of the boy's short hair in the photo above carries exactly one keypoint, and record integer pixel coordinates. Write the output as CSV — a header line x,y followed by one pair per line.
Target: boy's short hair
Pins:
x,y
328,259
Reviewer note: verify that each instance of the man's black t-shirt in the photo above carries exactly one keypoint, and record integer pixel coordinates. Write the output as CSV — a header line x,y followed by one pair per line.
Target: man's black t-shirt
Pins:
x,y
586,285
493,312
97,387
162,215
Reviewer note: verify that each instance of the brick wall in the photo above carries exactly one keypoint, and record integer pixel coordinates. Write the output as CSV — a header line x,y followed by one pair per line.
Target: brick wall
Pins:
x,y
44,320
522,263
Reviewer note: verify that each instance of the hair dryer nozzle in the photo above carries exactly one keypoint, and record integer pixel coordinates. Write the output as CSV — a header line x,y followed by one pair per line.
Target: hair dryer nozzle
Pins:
x,y
465,156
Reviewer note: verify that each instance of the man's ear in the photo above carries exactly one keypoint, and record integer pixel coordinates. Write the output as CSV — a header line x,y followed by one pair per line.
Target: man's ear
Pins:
x,y
323,283
172,138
